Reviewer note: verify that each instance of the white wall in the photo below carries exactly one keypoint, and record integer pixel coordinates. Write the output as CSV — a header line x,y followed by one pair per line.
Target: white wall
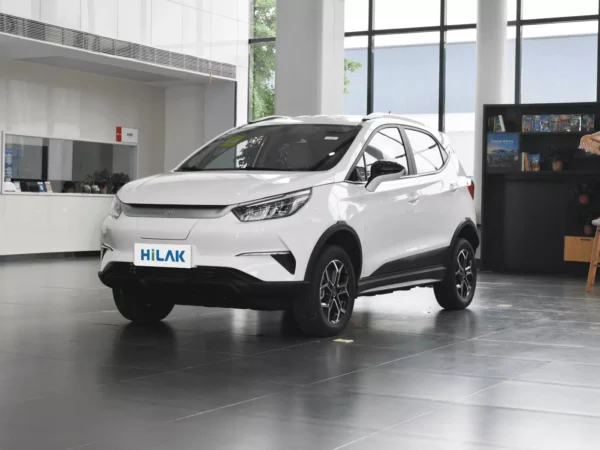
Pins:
x,y
194,116
211,29
184,127
45,101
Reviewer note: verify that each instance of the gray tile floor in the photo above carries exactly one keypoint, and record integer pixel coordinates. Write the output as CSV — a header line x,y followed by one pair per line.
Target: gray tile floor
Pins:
x,y
520,369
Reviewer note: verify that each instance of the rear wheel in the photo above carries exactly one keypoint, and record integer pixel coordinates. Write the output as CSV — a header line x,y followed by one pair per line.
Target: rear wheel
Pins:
x,y
457,289
141,306
326,307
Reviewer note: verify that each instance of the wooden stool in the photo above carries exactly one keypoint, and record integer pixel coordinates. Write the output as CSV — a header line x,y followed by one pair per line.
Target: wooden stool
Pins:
x,y
594,258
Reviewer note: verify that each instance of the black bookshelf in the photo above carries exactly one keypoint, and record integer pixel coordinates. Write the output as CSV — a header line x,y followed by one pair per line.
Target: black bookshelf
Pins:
x,y
526,215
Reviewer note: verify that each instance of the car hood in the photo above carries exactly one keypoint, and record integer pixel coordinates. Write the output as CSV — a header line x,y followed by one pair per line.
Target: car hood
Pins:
x,y
217,188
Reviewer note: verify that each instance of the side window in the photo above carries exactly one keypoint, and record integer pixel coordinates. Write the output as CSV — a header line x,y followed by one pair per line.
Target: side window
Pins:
x,y
426,151
445,155
386,145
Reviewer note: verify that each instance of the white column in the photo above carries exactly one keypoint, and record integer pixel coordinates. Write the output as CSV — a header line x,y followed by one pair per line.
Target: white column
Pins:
x,y
309,76
491,81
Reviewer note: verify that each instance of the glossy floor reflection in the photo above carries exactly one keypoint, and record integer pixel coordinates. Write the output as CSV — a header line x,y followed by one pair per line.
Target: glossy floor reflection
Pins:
x,y
520,369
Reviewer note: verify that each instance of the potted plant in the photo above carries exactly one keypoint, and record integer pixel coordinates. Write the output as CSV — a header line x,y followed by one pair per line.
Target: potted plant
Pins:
x,y
588,228
583,192
118,180
556,156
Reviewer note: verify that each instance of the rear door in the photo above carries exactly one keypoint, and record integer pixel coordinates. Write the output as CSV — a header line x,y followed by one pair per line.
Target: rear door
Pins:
x,y
437,186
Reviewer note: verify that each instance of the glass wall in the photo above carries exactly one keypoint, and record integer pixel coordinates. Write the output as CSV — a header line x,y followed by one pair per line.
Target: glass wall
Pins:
x,y
262,80
559,62
406,76
355,77
33,164
262,21
555,59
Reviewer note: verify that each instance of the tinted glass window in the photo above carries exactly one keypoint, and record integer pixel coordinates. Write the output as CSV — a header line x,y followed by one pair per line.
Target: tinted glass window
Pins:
x,y
426,151
386,145
277,147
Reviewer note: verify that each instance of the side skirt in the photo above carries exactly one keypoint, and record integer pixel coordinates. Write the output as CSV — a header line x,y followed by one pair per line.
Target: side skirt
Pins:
x,y
383,284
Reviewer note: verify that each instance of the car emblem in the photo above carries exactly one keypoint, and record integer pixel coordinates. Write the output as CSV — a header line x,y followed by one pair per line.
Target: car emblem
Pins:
x,y
168,212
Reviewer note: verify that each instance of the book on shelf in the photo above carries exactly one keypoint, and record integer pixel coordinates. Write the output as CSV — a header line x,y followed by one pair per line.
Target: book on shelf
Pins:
x,y
553,123
537,124
530,162
503,152
544,123
499,128
587,123
575,122
564,123
527,125
534,162
48,186
524,162
496,124
41,186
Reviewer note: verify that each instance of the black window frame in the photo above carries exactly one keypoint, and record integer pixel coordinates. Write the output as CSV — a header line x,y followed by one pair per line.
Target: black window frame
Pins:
x,y
441,149
409,157
442,29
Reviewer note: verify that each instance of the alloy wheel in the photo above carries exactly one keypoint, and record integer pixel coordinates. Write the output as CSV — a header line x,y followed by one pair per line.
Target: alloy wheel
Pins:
x,y
464,274
333,291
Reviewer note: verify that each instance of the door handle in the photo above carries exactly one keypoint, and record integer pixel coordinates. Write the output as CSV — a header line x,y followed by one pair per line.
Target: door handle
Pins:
x,y
413,198
453,187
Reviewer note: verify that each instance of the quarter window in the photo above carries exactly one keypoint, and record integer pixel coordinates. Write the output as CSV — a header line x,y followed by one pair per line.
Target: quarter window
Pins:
x,y
427,153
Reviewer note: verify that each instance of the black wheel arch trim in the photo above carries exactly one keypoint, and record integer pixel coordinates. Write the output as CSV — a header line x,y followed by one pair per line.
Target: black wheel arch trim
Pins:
x,y
339,226
467,223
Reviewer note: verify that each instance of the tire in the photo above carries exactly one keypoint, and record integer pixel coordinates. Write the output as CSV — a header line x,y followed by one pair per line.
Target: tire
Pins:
x,y
312,318
140,307
456,291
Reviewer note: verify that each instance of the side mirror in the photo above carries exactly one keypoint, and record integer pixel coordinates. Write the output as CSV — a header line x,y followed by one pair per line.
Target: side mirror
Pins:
x,y
382,171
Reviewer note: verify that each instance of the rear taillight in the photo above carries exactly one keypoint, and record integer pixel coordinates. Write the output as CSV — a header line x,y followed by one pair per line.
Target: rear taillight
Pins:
x,y
472,189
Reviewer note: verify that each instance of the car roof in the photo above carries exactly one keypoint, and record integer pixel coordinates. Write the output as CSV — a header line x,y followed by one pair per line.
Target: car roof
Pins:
x,y
377,118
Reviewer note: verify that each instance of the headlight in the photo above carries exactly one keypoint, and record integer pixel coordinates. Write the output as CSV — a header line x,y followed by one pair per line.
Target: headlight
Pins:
x,y
115,208
274,208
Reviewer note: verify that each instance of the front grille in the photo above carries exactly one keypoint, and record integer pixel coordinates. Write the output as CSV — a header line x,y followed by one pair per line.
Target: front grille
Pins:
x,y
39,31
175,211
202,275
197,273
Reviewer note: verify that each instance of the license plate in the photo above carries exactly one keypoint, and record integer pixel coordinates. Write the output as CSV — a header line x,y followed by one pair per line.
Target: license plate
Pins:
x,y
160,255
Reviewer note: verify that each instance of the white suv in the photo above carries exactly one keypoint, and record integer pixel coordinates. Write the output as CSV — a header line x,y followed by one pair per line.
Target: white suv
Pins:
x,y
301,214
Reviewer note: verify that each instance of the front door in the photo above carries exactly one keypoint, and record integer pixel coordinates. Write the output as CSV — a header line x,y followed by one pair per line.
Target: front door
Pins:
x,y
392,211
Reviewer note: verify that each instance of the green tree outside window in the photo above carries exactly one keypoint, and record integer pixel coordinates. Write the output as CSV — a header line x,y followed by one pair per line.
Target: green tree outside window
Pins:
x,y
262,71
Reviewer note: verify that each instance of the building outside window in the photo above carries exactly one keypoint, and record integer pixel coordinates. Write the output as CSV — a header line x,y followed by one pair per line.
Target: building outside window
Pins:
x,y
558,60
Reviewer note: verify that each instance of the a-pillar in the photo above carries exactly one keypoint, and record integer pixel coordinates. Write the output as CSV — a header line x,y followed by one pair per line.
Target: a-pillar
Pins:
x,y
309,76
491,81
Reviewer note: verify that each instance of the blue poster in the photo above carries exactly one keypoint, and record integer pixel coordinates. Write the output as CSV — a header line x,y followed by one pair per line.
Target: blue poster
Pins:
x,y
503,152
8,164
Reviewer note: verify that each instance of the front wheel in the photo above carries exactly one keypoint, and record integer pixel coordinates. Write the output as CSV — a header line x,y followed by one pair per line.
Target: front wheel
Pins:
x,y
325,309
141,306
457,289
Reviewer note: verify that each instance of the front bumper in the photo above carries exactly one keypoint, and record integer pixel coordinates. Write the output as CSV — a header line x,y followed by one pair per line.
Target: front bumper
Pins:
x,y
225,241
204,286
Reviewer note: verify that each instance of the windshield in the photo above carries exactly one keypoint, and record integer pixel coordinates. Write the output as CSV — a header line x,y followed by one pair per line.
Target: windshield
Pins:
x,y
277,147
